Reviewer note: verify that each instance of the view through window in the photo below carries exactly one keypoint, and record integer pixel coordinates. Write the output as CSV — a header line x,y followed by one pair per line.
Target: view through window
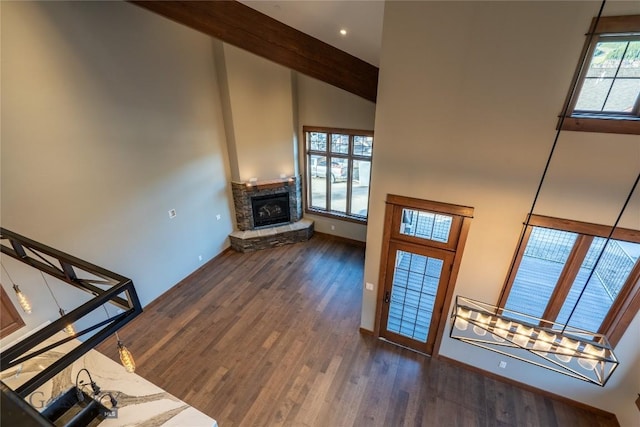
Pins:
x,y
612,82
338,171
607,96
552,269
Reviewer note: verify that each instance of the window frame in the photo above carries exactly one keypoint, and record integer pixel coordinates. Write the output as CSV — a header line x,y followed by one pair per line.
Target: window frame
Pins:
x,y
626,305
627,123
350,157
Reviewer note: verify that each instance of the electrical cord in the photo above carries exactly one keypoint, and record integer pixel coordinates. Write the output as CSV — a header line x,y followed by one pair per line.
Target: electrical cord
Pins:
x,y
112,399
94,387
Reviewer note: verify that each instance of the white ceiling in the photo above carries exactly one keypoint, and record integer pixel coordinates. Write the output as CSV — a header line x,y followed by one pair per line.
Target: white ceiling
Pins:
x,y
323,19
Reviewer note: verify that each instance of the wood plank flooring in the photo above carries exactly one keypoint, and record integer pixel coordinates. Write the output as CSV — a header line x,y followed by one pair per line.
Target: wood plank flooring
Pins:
x,y
272,338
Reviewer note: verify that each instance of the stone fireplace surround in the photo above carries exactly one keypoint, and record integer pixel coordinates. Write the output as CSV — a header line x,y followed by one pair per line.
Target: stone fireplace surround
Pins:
x,y
248,238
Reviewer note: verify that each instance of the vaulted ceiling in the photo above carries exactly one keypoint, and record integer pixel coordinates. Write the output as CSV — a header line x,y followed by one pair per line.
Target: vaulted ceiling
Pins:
x,y
240,25
323,19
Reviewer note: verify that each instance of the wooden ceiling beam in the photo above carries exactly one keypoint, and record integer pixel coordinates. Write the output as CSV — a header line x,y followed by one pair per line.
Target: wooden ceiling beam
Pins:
x,y
239,25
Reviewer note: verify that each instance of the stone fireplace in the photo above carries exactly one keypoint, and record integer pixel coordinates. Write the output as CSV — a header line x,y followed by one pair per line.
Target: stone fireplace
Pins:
x,y
268,214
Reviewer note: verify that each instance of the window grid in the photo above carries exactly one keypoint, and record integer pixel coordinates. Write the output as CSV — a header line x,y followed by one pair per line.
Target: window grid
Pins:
x,y
426,225
550,245
415,285
612,84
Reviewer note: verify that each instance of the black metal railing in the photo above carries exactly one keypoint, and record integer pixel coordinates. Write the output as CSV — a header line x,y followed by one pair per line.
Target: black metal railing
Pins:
x,y
106,287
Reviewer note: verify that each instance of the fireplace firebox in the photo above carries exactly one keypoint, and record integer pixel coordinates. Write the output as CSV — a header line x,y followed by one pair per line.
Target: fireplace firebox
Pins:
x,y
270,209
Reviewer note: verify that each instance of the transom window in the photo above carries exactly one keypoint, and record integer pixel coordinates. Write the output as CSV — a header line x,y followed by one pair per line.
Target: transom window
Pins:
x,y
426,225
338,171
552,268
612,82
607,97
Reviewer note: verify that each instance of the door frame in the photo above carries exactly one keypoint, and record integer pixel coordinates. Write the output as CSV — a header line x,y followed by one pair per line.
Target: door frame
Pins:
x,y
394,205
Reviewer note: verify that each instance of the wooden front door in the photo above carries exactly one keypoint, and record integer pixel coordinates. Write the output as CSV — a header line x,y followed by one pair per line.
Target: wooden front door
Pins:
x,y
421,254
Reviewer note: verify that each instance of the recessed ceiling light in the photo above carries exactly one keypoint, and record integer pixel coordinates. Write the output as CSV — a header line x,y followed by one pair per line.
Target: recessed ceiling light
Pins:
x,y
343,32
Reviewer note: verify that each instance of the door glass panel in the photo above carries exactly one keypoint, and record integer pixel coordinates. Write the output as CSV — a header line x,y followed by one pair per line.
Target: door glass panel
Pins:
x,y
413,294
426,225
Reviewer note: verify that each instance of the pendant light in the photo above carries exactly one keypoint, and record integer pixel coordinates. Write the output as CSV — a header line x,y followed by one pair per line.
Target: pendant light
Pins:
x,y
69,329
22,298
126,358
559,347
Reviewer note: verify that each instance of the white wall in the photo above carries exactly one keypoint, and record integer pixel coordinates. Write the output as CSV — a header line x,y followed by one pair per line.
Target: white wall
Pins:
x,y
111,117
320,104
468,97
259,108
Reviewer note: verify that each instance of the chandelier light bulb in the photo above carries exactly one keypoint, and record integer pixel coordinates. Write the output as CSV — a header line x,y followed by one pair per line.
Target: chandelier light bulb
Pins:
x,y
126,358
596,353
544,342
69,329
483,322
22,299
567,349
462,319
522,335
501,330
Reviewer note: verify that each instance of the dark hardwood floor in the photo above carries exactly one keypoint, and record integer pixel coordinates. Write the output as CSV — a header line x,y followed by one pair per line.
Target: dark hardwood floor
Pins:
x,y
272,338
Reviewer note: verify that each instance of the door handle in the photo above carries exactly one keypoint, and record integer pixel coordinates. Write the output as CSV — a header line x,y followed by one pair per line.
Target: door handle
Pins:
x,y
387,297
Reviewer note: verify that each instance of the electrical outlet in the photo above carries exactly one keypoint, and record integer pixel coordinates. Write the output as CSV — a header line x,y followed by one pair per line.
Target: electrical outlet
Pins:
x,y
502,364
368,286
218,217
199,257
172,213
333,227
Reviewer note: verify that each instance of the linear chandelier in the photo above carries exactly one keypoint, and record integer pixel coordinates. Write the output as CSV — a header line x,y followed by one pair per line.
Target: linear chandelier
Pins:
x,y
580,354
575,352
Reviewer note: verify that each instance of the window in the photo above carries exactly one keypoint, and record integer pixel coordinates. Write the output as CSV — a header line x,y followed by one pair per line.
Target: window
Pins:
x,y
607,96
338,171
557,257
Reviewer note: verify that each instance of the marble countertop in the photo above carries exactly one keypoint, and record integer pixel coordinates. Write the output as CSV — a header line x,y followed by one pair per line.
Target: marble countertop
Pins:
x,y
140,402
